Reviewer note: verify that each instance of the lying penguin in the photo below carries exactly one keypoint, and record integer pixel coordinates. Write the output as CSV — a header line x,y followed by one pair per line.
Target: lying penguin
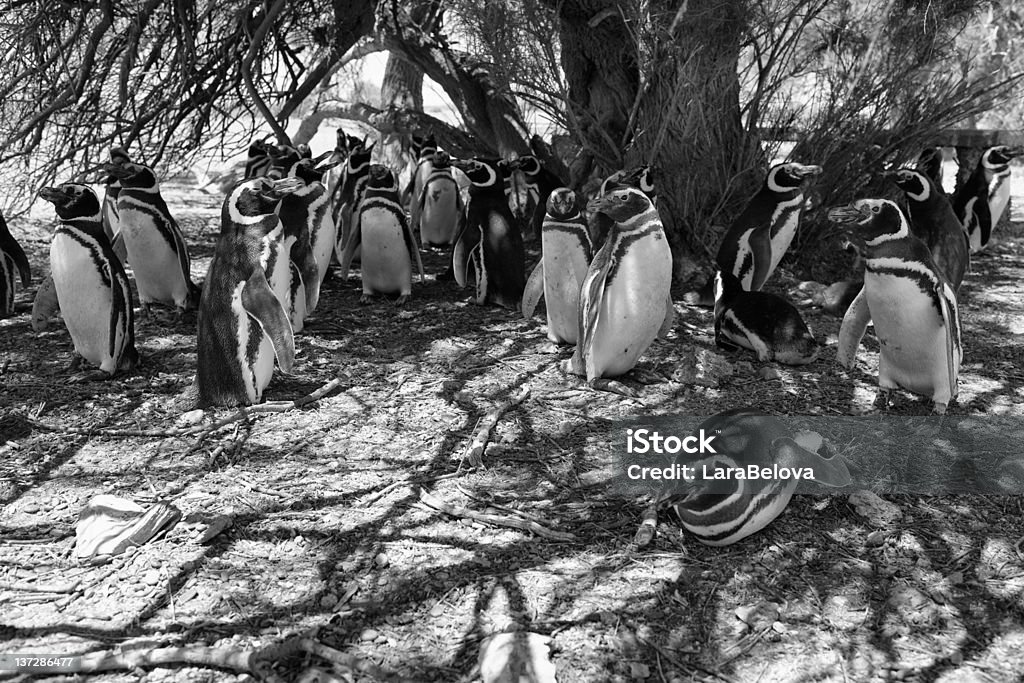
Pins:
x,y
765,323
566,252
910,301
723,511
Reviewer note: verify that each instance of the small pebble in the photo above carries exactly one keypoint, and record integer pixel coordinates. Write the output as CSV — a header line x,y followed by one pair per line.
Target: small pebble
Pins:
x,y
30,509
151,578
437,610
369,634
382,560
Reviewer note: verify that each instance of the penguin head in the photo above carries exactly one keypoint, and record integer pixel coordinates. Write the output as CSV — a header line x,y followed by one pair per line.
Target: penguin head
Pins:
x,y
621,204
640,177
528,164
1000,155
562,204
915,184
251,199
131,174
360,157
118,155
72,200
441,159
482,172
380,177
789,177
284,159
423,147
872,220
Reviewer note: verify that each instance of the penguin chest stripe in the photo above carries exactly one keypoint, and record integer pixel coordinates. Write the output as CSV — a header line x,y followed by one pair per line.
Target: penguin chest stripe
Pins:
x,y
625,242
93,249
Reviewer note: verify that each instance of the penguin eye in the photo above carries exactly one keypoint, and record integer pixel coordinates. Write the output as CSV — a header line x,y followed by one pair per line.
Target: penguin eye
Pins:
x,y
875,209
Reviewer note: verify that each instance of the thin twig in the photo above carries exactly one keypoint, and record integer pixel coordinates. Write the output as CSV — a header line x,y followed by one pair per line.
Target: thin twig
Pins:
x,y
475,451
523,525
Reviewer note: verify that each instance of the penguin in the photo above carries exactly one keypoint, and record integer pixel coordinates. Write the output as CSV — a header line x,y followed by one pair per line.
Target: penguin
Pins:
x,y
912,305
243,325
929,162
156,248
349,191
12,260
260,158
566,252
113,187
490,241
723,511
308,206
933,221
625,302
765,323
343,146
640,177
757,240
440,207
517,194
979,203
381,231
90,283
424,149
540,183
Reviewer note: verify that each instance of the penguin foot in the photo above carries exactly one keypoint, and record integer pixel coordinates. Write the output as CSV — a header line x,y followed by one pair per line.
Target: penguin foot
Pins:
x,y
366,299
939,409
614,386
400,301
90,376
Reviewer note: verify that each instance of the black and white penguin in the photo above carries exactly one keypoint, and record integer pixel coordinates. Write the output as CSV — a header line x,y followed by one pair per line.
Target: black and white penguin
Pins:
x,y
540,183
155,246
349,191
640,177
12,262
764,323
566,252
912,305
385,238
490,242
440,207
90,283
625,302
343,146
423,149
112,188
724,511
933,221
754,245
980,202
929,162
243,326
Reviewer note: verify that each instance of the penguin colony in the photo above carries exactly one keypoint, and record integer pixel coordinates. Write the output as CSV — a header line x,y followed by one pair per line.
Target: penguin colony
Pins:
x,y
605,275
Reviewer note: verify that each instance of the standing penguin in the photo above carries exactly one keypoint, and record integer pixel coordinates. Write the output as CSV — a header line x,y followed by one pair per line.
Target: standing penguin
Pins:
x,y
723,510
313,200
90,283
155,246
625,302
913,306
490,241
640,177
540,183
754,245
242,324
12,259
765,323
349,191
979,203
933,221
260,158
566,252
424,149
381,231
440,207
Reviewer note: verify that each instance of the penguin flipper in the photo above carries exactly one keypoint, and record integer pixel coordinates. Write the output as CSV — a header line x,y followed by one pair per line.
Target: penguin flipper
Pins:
x,y
951,323
310,274
351,244
120,250
120,315
591,296
790,452
761,252
983,219
855,324
534,290
260,302
45,305
670,318
410,244
464,245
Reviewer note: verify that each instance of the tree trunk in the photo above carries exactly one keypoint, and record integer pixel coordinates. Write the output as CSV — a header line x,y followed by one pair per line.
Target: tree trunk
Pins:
x,y
669,98
402,88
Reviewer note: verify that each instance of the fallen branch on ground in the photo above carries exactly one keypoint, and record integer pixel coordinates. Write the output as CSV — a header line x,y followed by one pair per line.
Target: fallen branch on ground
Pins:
x,y
515,523
40,587
254,662
412,481
242,414
482,435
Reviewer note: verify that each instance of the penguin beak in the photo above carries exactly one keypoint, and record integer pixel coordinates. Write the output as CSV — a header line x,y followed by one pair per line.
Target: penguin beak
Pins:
x,y
117,169
52,195
844,215
283,187
807,171
320,157
1013,152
